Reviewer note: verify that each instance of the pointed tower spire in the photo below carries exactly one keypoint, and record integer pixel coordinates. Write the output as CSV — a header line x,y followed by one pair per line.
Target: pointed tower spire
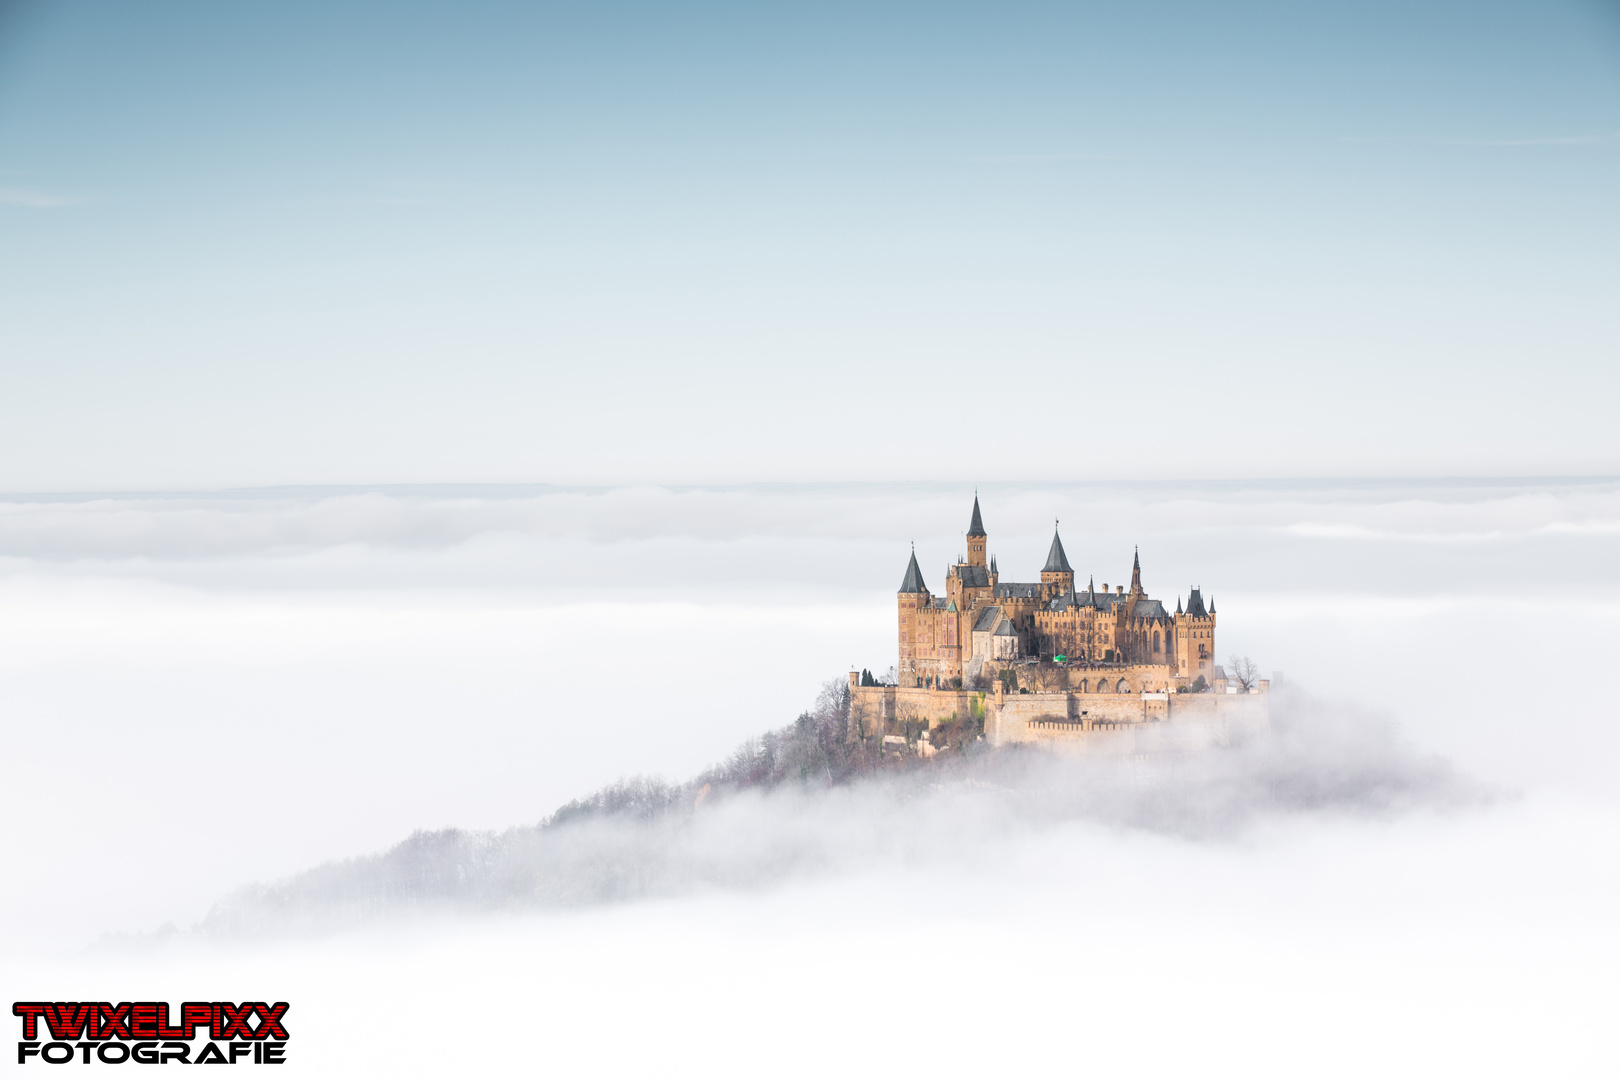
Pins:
x,y
1136,571
1178,605
914,579
977,542
976,526
1057,572
1056,560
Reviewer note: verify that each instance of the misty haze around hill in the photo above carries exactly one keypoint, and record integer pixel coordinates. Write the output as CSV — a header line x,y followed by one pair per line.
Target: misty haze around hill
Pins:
x,y
388,724
802,802
447,448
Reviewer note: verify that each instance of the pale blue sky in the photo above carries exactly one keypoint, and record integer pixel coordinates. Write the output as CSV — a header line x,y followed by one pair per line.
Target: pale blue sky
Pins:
x,y
306,243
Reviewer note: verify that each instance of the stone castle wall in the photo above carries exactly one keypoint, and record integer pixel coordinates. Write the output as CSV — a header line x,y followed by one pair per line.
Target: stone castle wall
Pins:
x,y
887,710
1061,716
1066,717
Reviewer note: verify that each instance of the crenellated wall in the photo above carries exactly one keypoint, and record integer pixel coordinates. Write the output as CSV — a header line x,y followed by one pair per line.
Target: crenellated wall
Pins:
x,y
1098,720
886,710
1019,718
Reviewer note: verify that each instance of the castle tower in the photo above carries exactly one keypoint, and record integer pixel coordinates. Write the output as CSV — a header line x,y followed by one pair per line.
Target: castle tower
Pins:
x,y
976,538
1195,639
912,598
1057,572
1136,574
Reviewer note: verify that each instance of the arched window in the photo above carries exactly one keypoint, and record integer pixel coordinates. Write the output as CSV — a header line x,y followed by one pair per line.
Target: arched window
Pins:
x,y
1123,687
1083,685
1156,641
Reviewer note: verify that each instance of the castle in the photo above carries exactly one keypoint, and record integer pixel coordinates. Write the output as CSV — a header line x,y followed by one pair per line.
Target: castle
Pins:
x,y
1060,661
982,622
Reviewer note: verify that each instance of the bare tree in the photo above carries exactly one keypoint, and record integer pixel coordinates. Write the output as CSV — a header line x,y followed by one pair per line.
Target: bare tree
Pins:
x,y
1242,670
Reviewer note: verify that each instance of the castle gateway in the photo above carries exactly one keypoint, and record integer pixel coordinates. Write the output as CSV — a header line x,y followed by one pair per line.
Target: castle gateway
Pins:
x,y
1045,659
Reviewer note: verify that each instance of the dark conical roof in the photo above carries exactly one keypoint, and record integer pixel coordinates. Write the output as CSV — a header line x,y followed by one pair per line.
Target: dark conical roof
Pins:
x,y
976,526
914,581
1056,561
1195,605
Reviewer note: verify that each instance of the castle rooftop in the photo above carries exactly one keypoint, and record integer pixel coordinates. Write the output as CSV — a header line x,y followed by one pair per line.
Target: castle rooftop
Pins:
x,y
1056,560
913,582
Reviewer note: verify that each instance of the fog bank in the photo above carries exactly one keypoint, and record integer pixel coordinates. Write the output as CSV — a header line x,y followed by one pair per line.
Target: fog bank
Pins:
x,y
798,805
435,656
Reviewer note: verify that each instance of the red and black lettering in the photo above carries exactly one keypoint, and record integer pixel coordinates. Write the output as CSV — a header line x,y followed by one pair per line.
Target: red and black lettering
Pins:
x,y
132,1030
30,1011
270,1019
113,1020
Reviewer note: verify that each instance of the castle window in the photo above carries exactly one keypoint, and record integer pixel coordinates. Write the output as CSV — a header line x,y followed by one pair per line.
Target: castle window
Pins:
x,y
1156,641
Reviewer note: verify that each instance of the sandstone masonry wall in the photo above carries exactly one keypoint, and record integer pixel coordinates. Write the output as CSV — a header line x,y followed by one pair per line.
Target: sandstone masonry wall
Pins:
x,y
1098,721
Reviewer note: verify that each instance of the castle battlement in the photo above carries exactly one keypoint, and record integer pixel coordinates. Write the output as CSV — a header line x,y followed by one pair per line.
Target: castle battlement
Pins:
x,y
1044,660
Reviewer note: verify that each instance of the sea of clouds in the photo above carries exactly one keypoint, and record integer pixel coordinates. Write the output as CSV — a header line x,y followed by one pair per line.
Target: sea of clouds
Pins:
x,y
206,691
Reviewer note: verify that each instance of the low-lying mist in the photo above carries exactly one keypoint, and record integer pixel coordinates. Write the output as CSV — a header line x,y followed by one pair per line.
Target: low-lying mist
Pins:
x,y
801,803
392,638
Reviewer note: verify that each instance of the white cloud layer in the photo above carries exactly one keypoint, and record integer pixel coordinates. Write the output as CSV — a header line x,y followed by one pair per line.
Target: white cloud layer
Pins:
x,y
356,665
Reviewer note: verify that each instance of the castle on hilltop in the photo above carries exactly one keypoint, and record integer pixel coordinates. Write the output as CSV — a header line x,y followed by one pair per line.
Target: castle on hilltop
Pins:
x,y
982,623
1059,661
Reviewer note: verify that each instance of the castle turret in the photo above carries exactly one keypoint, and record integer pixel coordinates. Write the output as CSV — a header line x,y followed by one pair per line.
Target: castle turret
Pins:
x,y
1136,573
913,581
976,538
1057,572
912,598
1195,638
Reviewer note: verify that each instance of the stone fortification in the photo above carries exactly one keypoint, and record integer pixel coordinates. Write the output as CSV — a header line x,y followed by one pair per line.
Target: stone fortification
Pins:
x,y
1128,721
1048,661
